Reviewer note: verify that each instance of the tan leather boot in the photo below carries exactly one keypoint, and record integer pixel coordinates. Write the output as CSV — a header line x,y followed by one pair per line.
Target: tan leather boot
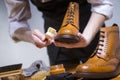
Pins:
x,y
70,26
106,61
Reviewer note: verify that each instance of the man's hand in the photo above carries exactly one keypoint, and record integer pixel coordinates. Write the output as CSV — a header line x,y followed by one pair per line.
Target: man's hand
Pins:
x,y
32,36
40,39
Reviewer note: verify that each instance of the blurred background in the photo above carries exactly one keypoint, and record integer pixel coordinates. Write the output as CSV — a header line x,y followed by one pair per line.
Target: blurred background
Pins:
x,y
26,53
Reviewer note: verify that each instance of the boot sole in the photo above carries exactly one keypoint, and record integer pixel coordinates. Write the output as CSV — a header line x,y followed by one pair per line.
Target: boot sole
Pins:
x,y
67,38
95,75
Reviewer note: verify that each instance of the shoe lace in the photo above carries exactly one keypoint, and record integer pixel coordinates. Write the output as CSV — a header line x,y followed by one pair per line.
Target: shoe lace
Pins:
x,y
102,45
70,15
101,42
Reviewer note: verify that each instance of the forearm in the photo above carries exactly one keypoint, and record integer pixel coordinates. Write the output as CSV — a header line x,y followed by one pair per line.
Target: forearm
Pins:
x,y
101,11
18,14
95,23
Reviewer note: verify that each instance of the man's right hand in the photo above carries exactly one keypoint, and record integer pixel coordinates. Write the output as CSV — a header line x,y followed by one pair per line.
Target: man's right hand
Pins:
x,y
32,36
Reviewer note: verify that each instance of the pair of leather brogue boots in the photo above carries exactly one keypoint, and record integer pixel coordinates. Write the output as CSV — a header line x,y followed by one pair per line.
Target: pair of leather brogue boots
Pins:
x,y
105,61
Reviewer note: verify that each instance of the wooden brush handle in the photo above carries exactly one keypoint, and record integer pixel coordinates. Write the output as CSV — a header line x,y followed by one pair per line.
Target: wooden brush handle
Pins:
x,y
57,69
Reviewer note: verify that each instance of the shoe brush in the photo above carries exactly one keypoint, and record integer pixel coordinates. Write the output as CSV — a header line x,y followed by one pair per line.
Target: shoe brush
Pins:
x,y
51,32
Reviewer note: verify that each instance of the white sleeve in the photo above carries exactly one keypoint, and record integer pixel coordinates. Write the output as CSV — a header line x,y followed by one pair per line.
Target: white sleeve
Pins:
x,y
104,7
18,14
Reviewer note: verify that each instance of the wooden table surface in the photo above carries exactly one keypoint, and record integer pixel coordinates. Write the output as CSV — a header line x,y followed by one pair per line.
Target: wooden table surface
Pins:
x,y
39,76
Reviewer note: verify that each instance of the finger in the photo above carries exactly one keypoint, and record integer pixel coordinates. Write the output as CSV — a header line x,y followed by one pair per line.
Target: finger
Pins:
x,y
48,42
80,35
38,42
38,34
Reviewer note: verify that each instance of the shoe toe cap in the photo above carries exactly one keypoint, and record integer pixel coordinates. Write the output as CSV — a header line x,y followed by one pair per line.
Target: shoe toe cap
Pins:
x,y
82,68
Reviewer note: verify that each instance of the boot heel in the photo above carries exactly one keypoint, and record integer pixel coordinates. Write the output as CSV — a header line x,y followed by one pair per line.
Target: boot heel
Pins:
x,y
67,38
